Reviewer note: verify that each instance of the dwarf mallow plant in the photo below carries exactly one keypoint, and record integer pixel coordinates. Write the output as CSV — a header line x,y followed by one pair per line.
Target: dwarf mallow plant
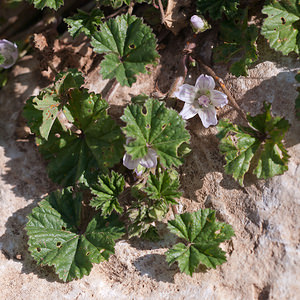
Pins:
x,y
201,99
79,224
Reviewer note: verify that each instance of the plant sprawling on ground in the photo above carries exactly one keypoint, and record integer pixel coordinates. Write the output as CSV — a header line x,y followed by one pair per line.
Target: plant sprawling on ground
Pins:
x,y
101,199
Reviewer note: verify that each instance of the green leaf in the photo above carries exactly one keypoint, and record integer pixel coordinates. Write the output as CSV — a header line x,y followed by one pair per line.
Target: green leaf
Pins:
x,y
153,125
53,101
65,81
202,235
2,59
96,141
218,7
259,145
238,45
281,27
151,234
49,105
297,101
143,212
33,116
239,150
100,146
273,159
163,187
84,22
129,46
57,239
41,4
107,191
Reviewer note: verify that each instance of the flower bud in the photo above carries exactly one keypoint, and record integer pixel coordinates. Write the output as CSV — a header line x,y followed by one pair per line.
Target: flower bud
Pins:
x,y
10,53
199,24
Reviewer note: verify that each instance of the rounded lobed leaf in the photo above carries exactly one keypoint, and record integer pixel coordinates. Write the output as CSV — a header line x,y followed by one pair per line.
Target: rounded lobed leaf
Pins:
x,y
163,187
84,22
260,145
203,235
57,239
73,130
157,127
129,46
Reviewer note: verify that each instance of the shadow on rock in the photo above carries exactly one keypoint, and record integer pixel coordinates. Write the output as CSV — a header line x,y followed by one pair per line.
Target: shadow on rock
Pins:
x,y
280,90
23,167
25,170
204,164
156,267
168,239
13,244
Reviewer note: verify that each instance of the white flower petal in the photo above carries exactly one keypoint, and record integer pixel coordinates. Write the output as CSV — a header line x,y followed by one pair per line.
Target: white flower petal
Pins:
x,y
218,98
188,111
205,82
150,159
208,116
130,163
186,93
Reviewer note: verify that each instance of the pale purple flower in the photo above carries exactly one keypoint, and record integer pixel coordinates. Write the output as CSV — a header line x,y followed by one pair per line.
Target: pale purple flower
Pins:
x,y
199,24
201,99
148,161
10,53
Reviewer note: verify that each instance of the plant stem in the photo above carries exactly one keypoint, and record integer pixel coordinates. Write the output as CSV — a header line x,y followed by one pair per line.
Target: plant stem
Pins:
x,y
130,8
121,9
174,210
162,12
108,92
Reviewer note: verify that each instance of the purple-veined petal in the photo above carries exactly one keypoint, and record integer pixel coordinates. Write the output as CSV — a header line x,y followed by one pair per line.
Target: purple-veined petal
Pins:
x,y
186,93
205,83
188,111
218,98
149,160
203,100
208,116
130,163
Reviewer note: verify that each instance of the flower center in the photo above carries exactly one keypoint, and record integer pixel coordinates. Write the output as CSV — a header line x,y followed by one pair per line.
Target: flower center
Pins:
x,y
203,101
